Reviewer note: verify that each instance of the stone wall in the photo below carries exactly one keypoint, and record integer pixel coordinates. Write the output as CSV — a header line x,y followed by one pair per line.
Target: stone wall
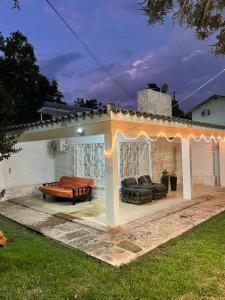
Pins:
x,y
166,155
154,102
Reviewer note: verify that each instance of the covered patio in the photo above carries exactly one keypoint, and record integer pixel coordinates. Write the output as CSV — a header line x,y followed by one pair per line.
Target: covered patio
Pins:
x,y
109,145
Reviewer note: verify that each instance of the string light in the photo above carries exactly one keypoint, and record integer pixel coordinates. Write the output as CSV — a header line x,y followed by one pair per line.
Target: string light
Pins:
x,y
162,135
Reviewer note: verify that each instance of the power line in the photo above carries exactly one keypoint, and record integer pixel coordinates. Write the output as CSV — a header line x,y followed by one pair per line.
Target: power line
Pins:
x,y
107,70
186,97
198,89
90,52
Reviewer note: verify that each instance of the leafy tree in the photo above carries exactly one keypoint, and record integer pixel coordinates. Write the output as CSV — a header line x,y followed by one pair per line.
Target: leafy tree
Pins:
x,y
20,76
205,16
7,141
88,103
16,4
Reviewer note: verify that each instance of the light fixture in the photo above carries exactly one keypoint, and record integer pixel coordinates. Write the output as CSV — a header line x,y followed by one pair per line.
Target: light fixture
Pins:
x,y
80,130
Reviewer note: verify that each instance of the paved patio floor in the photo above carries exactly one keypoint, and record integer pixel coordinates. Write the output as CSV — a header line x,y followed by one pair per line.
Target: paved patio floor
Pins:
x,y
117,245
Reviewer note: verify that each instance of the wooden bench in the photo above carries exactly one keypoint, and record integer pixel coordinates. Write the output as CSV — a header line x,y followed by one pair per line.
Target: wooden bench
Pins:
x,y
74,188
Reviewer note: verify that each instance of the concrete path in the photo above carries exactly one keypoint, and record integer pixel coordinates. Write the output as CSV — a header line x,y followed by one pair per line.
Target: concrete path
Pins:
x,y
121,244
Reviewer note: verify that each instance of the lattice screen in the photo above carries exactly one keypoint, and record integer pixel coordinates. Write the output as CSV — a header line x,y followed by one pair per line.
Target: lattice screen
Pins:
x,y
134,159
89,161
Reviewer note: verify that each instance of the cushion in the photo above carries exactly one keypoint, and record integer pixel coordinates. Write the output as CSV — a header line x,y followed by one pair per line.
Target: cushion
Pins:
x,y
142,180
56,191
128,182
69,182
159,187
148,178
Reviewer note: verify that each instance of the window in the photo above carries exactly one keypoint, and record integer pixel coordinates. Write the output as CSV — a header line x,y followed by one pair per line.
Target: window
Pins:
x,y
205,112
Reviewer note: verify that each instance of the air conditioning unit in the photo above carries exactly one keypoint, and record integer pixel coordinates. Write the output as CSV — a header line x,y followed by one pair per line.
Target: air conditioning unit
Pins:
x,y
58,145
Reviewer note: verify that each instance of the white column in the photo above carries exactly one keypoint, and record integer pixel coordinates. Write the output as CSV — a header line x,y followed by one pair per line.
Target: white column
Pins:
x,y
112,180
150,158
222,162
186,168
1,176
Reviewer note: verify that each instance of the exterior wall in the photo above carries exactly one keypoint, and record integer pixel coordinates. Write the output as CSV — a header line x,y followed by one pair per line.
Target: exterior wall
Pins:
x,y
217,112
154,102
166,155
203,163
33,165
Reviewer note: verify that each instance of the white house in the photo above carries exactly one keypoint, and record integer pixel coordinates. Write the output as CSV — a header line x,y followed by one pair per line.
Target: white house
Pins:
x,y
113,143
211,110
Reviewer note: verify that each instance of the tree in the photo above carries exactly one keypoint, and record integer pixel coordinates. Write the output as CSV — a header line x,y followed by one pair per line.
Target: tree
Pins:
x,y
88,103
16,4
7,141
20,76
205,16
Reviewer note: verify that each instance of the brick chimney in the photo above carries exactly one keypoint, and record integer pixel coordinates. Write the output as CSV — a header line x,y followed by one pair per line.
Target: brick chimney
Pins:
x,y
154,102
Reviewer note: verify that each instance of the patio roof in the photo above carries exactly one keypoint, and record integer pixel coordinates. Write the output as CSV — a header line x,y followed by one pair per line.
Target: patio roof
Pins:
x,y
114,120
113,108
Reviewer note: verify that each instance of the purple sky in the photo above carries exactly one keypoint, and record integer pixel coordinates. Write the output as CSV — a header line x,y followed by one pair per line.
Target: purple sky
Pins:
x,y
118,33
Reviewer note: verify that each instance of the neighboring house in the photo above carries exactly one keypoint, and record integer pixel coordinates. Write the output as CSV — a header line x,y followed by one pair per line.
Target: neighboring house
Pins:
x,y
212,111
112,143
54,110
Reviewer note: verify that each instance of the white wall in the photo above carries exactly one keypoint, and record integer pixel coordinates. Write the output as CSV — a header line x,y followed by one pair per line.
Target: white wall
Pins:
x,y
217,112
34,164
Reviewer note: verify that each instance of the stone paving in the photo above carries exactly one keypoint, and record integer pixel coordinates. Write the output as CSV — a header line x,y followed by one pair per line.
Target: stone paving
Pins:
x,y
118,245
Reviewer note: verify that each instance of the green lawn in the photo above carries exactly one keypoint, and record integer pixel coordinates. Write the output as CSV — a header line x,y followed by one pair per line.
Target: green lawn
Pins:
x,y
189,267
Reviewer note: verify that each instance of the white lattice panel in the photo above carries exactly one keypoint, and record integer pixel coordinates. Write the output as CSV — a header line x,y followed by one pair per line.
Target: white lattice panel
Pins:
x,y
134,159
88,161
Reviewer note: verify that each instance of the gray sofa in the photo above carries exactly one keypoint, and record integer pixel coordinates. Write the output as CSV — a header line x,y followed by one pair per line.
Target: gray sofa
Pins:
x,y
160,190
134,193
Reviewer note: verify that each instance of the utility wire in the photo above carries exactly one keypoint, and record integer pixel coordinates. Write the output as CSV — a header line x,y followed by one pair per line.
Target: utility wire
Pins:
x,y
107,70
90,52
198,89
186,97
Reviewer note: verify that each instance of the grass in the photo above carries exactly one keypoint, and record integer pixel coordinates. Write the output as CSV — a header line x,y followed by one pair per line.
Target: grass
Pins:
x,y
189,267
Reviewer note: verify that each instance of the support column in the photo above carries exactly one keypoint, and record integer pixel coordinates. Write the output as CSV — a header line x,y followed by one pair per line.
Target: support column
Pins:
x,y
222,162
150,158
1,176
112,180
186,168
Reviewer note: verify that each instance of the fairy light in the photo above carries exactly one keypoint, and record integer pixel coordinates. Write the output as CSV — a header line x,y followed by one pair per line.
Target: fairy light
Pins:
x,y
162,135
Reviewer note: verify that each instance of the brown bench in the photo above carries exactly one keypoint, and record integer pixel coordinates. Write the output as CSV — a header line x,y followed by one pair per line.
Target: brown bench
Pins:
x,y
75,188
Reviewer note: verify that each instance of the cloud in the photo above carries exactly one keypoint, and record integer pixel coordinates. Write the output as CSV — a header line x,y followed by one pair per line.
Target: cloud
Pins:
x,y
58,64
191,55
183,63
122,7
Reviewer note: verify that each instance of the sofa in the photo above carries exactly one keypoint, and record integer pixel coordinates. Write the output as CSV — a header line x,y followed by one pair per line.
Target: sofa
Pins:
x,y
132,192
74,188
160,190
